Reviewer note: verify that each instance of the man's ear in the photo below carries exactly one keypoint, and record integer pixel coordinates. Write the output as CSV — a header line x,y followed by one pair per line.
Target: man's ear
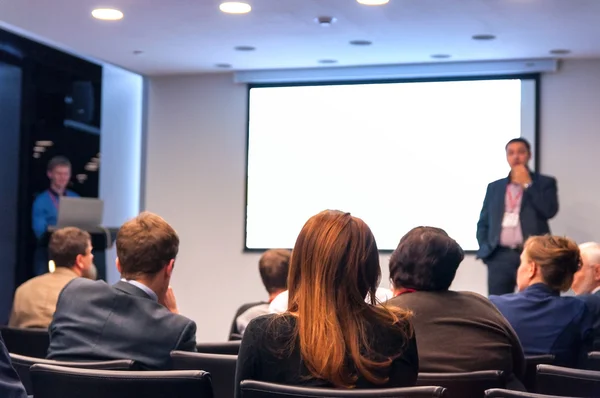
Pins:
x,y
79,262
169,268
118,265
596,272
533,270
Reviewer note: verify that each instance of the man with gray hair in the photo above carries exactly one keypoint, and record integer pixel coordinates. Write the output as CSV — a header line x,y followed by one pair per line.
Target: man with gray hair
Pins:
x,y
586,284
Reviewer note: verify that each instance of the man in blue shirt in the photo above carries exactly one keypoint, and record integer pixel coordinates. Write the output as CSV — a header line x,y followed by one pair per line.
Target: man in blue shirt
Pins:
x,y
45,206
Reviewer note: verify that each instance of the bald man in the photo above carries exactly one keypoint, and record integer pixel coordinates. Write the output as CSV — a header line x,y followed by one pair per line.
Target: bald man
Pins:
x,y
586,284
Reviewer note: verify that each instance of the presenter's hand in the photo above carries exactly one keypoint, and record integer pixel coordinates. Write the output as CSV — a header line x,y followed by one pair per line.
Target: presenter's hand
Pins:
x,y
520,175
169,301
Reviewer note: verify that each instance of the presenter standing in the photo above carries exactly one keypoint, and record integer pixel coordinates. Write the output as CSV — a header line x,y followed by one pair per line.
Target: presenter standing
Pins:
x,y
514,208
45,206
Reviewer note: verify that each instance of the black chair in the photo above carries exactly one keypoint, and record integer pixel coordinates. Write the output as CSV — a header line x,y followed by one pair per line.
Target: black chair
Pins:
x,y
22,364
259,389
568,382
235,337
30,342
220,367
593,360
58,381
501,393
225,348
531,363
468,384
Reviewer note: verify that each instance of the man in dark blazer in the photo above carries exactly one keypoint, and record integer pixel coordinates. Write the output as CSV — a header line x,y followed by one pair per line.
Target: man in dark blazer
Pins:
x,y
137,318
10,384
514,208
586,284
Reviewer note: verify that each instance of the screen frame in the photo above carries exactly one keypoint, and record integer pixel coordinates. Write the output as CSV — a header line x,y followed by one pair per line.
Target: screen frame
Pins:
x,y
535,77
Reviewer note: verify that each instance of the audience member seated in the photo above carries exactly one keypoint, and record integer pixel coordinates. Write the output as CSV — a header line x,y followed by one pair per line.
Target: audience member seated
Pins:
x,y
545,322
137,318
273,267
457,331
10,384
586,284
280,304
331,337
35,300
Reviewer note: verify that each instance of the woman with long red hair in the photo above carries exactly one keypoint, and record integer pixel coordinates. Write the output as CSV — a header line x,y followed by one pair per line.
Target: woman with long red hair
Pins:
x,y
331,337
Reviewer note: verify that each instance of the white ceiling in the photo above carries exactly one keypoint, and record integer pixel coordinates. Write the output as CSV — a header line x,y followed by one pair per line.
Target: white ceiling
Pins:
x,y
187,36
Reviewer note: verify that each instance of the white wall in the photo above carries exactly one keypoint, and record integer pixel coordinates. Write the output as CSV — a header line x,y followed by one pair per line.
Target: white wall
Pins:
x,y
121,150
195,178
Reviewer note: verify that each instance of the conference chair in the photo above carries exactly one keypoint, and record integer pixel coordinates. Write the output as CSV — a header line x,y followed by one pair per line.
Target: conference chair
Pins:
x,y
593,360
531,363
501,393
224,348
569,382
58,381
220,367
259,389
29,342
22,364
467,384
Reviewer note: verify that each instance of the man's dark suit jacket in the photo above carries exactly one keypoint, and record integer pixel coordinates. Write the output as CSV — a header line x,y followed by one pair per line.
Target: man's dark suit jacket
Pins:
x,y
538,205
96,321
593,305
10,384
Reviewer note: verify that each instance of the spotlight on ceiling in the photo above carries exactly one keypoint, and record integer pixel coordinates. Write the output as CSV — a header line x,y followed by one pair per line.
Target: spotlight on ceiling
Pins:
x,y
373,2
107,14
235,7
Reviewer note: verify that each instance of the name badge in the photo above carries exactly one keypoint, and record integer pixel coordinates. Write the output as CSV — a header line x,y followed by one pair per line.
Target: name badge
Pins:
x,y
510,220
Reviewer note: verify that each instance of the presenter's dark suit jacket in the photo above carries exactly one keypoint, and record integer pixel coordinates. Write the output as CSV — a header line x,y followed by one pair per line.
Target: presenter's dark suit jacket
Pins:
x,y
96,321
593,305
538,205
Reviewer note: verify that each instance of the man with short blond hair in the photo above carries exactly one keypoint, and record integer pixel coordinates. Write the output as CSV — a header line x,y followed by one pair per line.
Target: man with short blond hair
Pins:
x,y
137,318
586,284
35,300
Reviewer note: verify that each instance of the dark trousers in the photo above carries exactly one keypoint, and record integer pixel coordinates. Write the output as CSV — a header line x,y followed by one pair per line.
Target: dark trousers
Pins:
x,y
502,270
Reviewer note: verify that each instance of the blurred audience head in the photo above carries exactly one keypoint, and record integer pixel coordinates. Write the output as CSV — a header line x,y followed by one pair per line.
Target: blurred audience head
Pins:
x,y
59,173
552,260
273,266
71,247
426,259
334,266
146,249
587,279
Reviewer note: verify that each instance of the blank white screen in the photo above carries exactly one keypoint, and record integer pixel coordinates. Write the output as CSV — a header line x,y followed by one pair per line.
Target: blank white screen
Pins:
x,y
397,155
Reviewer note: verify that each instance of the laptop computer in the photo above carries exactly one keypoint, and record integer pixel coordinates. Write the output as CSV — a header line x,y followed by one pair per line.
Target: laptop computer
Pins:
x,y
80,212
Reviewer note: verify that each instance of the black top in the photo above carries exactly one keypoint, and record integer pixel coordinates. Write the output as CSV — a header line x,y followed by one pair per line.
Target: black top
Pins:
x,y
262,356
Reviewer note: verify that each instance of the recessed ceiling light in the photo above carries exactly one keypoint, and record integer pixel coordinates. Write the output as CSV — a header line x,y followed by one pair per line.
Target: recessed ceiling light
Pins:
x,y
373,2
483,37
244,48
560,51
328,61
361,42
235,7
107,14
441,56
325,21
223,66
137,52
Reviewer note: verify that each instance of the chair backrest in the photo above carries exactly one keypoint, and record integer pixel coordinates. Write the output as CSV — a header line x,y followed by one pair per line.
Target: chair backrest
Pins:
x,y
224,348
220,367
501,393
22,364
468,384
531,363
259,389
58,381
593,360
568,382
30,342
